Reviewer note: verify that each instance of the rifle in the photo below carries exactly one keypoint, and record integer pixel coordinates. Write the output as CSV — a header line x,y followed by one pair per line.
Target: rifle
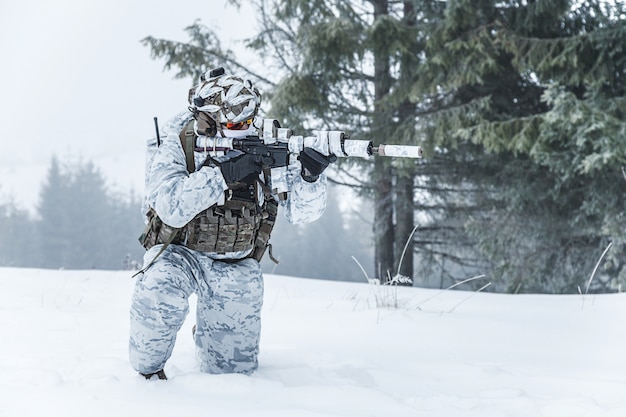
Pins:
x,y
278,148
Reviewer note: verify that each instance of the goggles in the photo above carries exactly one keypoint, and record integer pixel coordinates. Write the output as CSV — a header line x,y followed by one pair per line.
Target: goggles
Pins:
x,y
238,125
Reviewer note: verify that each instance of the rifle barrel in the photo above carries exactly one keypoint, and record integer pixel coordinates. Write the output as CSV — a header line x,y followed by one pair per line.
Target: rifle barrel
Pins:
x,y
401,151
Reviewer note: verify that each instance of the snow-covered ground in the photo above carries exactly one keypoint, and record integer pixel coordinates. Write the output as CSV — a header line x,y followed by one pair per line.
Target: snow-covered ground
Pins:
x,y
328,349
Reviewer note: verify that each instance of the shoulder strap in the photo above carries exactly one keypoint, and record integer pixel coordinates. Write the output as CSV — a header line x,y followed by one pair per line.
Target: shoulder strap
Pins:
x,y
188,141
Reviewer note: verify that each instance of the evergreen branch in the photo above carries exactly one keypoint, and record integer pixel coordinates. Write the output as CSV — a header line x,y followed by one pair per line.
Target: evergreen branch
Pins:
x,y
360,183
554,58
272,28
347,184
163,47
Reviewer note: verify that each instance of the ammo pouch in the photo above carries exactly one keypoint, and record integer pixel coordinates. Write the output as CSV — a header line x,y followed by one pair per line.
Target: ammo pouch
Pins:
x,y
157,232
228,228
236,226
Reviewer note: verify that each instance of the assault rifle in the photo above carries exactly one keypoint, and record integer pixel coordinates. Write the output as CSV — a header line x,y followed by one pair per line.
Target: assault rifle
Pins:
x,y
278,148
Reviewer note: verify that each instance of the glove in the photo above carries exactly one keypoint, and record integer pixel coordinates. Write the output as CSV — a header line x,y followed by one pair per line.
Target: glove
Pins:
x,y
314,163
240,167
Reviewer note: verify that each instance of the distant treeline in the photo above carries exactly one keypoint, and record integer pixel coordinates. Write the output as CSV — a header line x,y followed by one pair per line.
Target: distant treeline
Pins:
x,y
80,224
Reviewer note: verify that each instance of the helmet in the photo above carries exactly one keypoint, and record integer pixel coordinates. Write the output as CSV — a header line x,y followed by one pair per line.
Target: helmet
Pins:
x,y
225,98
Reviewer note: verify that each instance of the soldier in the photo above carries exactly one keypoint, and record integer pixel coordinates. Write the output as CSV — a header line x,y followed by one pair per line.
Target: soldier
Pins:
x,y
209,216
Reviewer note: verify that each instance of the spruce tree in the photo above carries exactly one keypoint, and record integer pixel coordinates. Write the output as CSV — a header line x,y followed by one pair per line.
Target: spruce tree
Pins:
x,y
518,105
54,226
17,238
528,117
81,224
356,63
339,65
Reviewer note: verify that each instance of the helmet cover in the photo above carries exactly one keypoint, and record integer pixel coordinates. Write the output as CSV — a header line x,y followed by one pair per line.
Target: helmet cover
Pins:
x,y
226,98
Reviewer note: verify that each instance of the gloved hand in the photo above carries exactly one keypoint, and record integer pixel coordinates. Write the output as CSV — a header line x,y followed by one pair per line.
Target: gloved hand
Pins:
x,y
240,167
314,163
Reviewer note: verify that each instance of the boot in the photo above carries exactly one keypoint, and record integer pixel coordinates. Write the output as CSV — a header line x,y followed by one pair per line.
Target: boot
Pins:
x,y
159,374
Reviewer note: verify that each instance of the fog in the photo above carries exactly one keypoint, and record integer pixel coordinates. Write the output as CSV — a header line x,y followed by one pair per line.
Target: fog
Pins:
x,y
77,83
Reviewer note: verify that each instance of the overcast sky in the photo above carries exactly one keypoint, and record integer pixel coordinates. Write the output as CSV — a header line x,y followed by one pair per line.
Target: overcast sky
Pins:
x,y
76,82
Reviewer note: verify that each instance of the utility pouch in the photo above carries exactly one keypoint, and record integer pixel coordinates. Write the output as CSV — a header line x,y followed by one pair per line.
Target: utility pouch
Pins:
x,y
268,220
157,232
223,229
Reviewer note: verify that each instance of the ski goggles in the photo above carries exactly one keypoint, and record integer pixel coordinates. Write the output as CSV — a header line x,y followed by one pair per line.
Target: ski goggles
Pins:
x,y
238,125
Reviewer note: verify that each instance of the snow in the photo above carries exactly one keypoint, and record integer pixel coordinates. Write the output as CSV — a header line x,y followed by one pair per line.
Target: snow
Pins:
x,y
328,349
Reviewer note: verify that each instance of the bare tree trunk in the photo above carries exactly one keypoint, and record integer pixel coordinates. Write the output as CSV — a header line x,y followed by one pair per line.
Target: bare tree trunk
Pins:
x,y
382,178
404,225
403,202
383,221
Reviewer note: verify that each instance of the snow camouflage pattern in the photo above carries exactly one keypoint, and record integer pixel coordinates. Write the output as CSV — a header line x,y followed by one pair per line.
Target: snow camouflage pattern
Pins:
x,y
228,314
229,289
178,196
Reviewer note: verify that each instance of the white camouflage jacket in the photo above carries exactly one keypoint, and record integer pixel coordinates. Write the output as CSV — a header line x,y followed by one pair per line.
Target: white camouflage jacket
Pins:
x,y
178,196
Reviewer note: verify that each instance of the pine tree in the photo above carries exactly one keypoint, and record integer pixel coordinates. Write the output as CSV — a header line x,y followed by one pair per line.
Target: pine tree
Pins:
x,y
126,224
519,105
528,116
16,239
341,65
91,207
55,224
82,225
350,66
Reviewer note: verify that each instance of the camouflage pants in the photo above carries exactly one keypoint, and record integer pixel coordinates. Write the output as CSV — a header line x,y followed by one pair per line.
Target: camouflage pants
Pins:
x,y
228,314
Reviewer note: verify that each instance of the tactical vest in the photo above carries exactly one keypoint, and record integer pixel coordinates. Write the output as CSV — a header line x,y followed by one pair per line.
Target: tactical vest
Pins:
x,y
240,225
